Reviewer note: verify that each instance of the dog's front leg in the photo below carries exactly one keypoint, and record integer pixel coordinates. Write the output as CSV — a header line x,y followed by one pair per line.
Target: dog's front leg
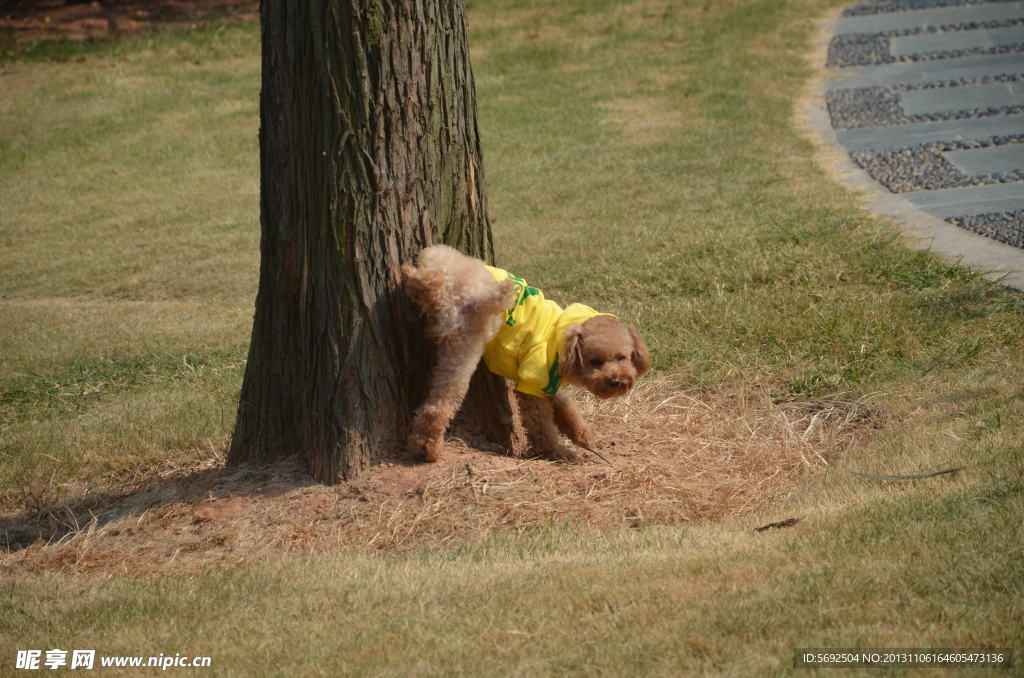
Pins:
x,y
570,422
539,420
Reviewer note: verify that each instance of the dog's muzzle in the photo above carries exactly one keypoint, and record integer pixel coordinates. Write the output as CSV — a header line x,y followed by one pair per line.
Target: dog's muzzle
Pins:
x,y
614,387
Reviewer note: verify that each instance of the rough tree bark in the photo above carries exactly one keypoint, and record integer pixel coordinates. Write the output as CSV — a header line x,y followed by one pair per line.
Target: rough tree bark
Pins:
x,y
369,152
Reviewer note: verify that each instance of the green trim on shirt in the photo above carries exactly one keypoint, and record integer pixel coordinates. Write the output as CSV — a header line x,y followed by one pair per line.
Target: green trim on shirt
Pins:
x,y
554,379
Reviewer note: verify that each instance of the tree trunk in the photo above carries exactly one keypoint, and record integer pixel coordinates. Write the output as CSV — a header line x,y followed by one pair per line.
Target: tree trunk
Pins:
x,y
369,152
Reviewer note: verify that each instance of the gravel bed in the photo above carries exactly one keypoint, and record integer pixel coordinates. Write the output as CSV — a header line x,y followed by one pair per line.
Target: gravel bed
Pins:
x,y
859,107
968,144
938,84
917,168
867,49
986,112
872,49
1007,227
886,6
923,167
865,107
858,49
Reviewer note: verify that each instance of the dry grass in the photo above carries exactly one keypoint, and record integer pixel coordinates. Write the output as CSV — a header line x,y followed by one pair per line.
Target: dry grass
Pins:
x,y
723,242
646,120
672,458
26,24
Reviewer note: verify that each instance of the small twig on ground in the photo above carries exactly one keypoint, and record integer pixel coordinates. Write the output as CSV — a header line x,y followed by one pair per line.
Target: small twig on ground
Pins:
x,y
603,458
788,522
914,476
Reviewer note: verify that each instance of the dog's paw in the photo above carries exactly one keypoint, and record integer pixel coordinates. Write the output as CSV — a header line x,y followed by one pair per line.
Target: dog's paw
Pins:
x,y
584,438
425,448
561,453
433,450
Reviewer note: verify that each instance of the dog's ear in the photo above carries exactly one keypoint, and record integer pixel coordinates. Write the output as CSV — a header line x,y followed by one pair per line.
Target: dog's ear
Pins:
x,y
571,360
641,355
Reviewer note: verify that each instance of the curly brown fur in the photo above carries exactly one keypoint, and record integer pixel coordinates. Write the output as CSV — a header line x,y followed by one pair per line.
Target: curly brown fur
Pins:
x,y
463,307
539,421
570,422
604,356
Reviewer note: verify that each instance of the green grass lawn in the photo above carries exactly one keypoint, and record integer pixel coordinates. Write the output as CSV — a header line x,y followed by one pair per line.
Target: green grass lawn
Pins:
x,y
642,157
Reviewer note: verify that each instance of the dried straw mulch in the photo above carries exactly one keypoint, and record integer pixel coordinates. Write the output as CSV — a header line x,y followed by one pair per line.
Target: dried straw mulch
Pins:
x,y
674,458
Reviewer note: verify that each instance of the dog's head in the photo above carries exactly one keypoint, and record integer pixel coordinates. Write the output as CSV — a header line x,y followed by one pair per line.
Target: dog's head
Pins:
x,y
603,356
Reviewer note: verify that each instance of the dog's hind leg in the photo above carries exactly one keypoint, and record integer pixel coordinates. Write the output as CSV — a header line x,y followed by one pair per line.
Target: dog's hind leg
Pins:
x,y
457,359
462,305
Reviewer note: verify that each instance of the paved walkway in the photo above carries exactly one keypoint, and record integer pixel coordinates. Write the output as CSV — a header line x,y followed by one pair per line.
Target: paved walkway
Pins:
x,y
927,97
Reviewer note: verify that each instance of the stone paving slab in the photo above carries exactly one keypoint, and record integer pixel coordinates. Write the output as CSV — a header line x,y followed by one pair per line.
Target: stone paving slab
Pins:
x,y
927,97
928,132
947,41
927,17
986,160
959,98
927,71
956,202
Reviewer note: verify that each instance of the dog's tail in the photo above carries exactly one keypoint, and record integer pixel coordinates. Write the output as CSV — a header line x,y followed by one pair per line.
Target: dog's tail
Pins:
x,y
424,286
497,298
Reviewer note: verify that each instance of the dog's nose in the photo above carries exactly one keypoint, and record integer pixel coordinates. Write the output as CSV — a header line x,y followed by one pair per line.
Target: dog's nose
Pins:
x,y
614,382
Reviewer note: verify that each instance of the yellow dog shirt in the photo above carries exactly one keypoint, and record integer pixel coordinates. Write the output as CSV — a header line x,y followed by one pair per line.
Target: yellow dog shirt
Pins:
x,y
527,346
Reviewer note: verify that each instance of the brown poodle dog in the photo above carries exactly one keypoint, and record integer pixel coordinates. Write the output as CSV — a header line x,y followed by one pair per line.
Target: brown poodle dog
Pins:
x,y
473,310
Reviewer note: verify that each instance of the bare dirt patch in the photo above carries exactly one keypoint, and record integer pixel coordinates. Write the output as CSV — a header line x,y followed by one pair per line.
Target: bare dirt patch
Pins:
x,y
675,458
23,22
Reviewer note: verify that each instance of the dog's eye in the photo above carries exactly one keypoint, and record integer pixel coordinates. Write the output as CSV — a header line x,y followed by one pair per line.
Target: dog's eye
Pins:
x,y
620,358
596,362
